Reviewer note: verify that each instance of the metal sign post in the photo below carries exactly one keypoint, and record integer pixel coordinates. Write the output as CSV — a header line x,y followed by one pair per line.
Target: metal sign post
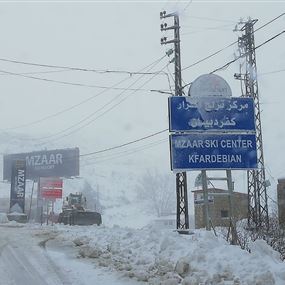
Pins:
x,y
182,216
212,131
206,201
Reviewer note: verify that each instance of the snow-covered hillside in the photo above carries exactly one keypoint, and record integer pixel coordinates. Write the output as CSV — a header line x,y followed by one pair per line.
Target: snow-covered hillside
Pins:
x,y
114,187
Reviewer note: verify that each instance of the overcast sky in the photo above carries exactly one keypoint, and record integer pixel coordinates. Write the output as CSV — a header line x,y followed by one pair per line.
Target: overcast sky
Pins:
x,y
125,36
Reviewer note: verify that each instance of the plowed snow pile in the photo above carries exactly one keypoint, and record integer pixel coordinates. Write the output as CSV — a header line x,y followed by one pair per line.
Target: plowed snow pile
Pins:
x,y
165,257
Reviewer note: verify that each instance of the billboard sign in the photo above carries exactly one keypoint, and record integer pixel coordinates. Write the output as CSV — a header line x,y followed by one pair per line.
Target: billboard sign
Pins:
x,y
45,163
51,187
213,151
210,114
18,184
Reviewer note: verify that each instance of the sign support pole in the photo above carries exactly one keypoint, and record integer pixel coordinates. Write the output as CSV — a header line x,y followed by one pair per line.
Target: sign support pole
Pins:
x,y
39,202
206,199
232,225
47,214
258,216
52,212
30,209
182,217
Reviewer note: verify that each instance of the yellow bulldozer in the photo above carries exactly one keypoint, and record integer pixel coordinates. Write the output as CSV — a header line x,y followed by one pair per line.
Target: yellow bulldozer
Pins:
x,y
74,212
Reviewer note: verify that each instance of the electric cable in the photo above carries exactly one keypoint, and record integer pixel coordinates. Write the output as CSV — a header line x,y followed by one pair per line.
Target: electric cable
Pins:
x,y
271,72
38,72
124,144
78,104
67,82
94,113
237,58
125,153
209,56
187,5
101,71
271,21
231,44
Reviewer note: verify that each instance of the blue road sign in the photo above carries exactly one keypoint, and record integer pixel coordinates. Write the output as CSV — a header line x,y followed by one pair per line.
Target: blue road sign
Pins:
x,y
211,114
214,151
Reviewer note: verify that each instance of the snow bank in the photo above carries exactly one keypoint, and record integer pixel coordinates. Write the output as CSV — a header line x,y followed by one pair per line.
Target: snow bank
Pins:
x,y
3,218
165,257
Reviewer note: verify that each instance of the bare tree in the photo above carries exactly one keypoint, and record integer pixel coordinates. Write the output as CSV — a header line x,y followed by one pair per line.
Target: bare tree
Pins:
x,y
274,235
158,190
92,197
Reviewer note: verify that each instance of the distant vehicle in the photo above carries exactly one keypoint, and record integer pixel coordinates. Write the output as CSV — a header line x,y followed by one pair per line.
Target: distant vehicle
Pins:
x,y
74,212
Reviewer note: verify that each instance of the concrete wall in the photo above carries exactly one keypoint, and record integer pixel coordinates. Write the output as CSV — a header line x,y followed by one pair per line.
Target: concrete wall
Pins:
x,y
219,208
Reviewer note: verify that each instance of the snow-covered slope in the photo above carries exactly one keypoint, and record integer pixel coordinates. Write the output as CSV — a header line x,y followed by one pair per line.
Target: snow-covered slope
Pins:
x,y
114,183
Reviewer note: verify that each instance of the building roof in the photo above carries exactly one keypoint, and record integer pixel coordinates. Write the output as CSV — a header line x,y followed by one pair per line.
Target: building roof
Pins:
x,y
216,190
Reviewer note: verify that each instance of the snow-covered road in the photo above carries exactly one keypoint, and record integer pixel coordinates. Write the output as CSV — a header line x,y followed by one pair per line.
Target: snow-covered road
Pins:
x,y
31,254
28,257
23,261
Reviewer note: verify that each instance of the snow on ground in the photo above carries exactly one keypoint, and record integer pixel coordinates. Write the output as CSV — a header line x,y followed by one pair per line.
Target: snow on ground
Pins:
x,y
30,256
132,215
156,256
3,218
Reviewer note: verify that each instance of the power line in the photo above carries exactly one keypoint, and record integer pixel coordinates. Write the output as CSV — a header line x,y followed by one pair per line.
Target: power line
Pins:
x,y
237,58
271,21
231,44
187,6
209,56
271,72
92,114
80,103
39,72
269,40
88,117
126,152
72,83
125,144
260,74
101,71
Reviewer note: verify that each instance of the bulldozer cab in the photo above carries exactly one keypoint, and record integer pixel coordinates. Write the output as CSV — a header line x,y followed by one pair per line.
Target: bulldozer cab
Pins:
x,y
76,200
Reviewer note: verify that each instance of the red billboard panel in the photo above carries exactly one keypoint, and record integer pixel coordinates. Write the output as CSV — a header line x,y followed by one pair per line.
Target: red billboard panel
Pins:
x,y
51,188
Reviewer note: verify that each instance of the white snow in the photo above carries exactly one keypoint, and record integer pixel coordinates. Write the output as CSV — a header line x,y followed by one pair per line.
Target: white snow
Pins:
x,y
165,257
3,218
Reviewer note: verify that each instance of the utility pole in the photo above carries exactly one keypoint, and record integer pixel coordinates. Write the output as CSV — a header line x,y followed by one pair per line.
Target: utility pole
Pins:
x,y
257,196
182,217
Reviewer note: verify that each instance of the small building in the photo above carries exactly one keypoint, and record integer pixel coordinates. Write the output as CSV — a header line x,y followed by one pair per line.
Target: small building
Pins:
x,y
219,207
281,201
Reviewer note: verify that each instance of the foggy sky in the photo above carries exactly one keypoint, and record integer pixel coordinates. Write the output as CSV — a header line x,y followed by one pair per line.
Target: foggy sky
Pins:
x,y
126,36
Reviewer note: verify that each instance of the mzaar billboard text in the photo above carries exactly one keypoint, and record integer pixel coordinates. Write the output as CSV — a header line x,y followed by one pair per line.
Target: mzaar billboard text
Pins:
x,y
18,182
46,163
